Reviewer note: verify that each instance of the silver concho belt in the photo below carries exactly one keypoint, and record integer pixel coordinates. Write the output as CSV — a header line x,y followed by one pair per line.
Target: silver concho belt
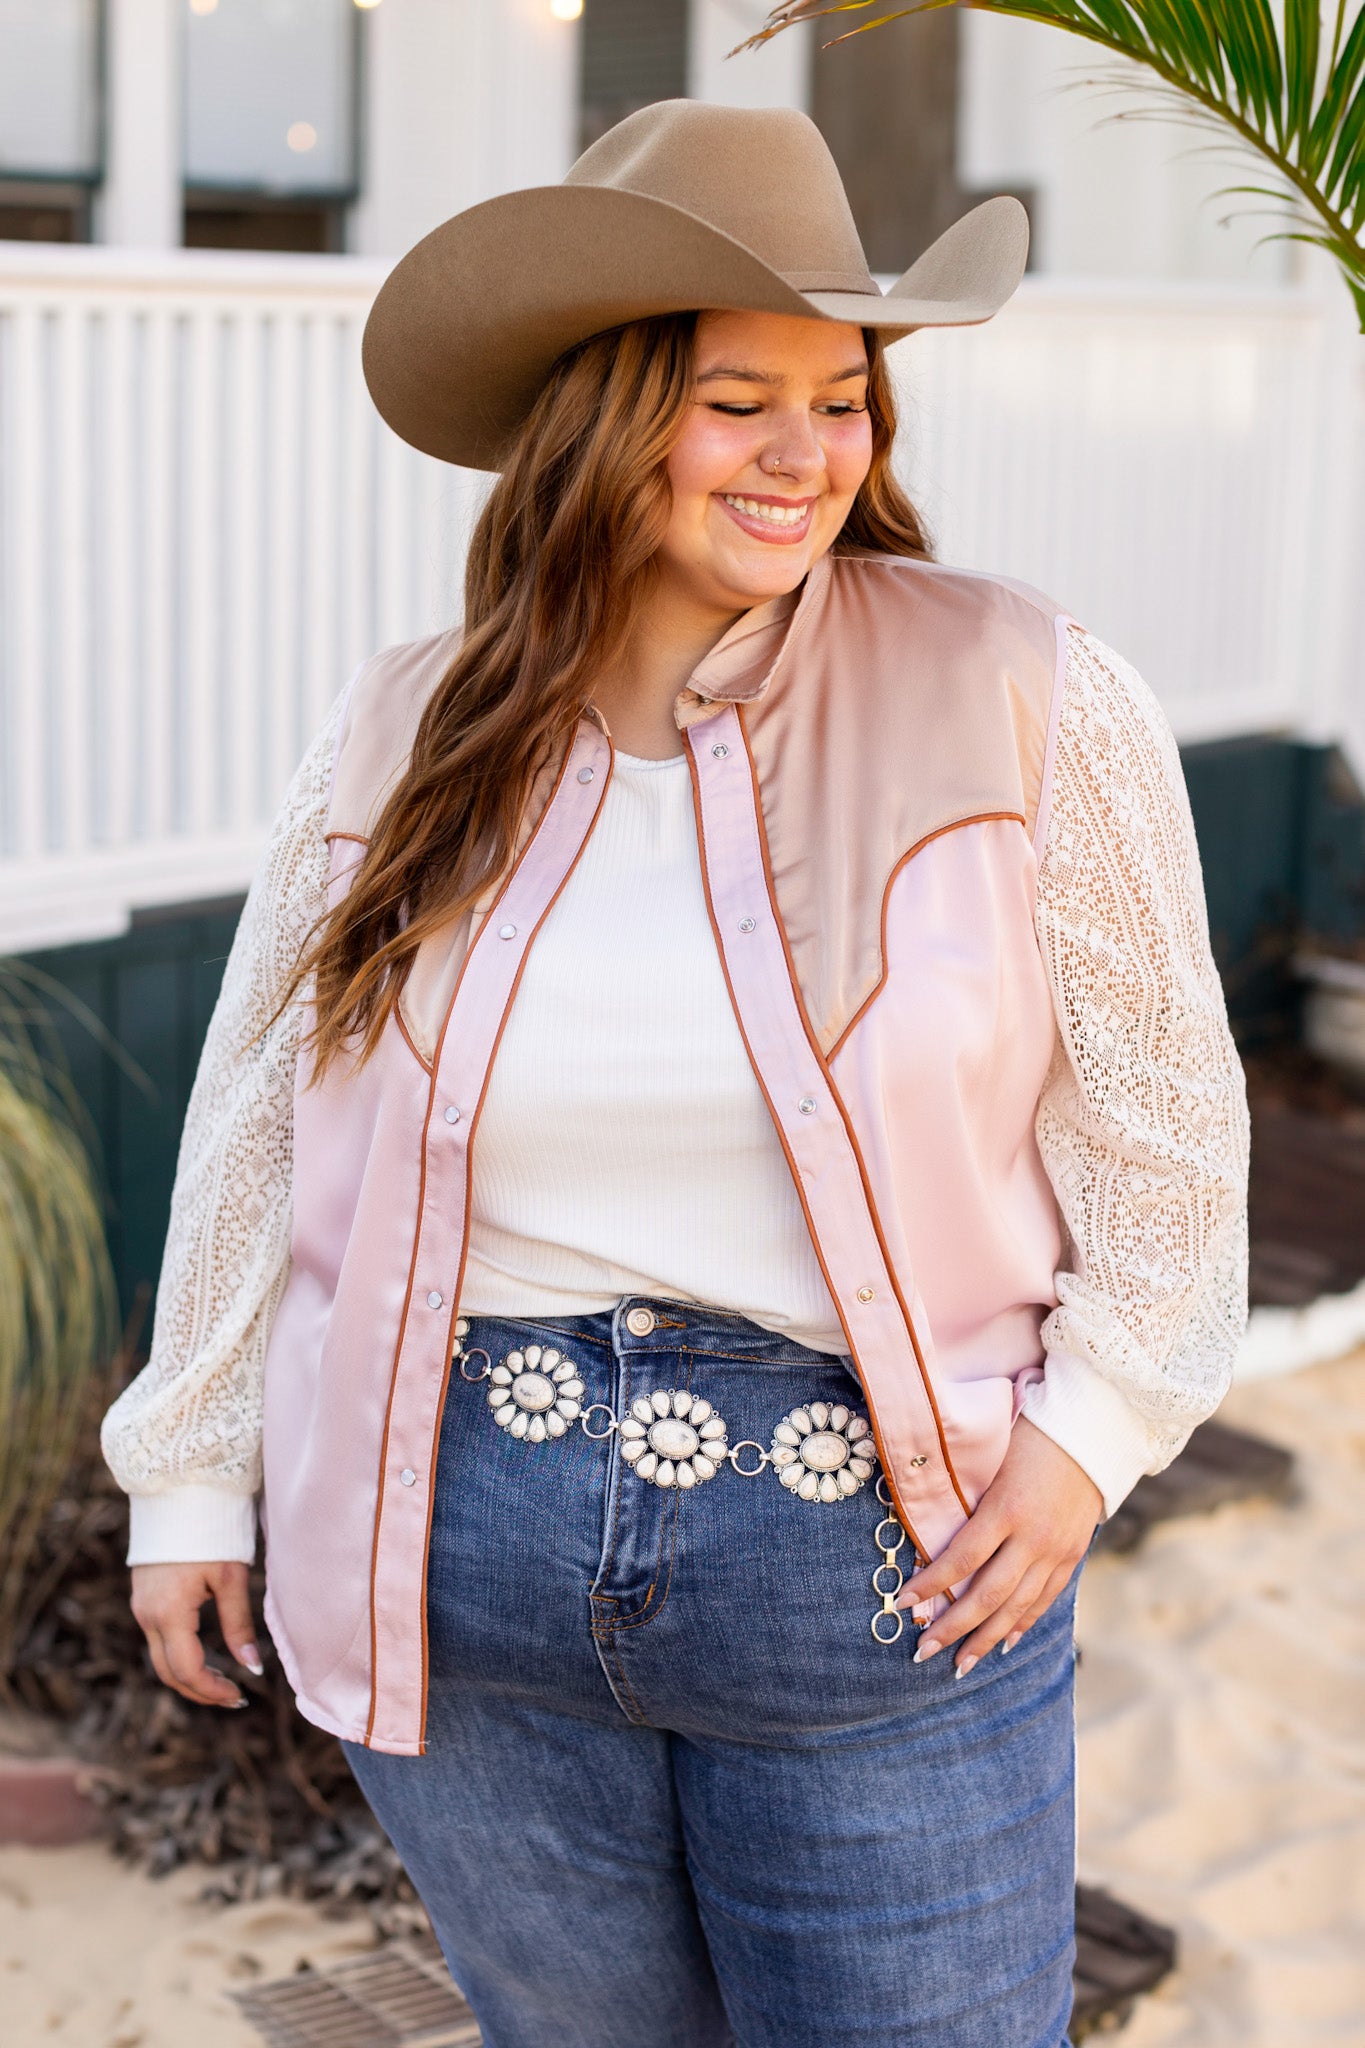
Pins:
x,y
822,1451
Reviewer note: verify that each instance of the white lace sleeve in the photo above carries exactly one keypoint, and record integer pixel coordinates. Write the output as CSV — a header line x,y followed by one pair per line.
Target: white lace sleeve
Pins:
x,y
184,1438
1143,1122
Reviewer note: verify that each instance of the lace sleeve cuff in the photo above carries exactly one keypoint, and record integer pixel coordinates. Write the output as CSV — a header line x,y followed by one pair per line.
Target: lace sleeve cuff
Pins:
x,y
192,1525
1089,1418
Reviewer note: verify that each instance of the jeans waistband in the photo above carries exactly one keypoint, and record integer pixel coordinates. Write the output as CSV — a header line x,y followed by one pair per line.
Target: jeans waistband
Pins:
x,y
643,1323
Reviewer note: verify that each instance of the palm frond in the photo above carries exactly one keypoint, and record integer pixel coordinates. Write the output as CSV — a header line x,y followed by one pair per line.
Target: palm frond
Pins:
x,y
1272,87
1302,39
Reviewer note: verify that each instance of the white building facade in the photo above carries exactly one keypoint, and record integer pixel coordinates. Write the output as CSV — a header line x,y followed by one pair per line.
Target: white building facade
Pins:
x,y
203,526
403,111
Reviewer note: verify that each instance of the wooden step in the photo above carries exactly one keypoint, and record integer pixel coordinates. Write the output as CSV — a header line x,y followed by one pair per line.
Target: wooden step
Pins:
x,y
1120,1954
1218,1464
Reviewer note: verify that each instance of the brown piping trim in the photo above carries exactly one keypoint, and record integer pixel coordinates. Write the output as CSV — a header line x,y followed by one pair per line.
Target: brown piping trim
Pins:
x,y
407,1303
977,818
852,1137
358,838
388,1413
468,1167
411,1043
792,1167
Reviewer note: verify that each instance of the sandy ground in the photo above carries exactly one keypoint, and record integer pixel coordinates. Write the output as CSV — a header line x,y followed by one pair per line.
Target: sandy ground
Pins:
x,y
1222,1704
93,1955
1222,1747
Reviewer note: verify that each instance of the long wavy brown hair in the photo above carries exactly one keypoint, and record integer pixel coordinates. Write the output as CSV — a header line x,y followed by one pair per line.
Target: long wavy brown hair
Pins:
x,y
558,564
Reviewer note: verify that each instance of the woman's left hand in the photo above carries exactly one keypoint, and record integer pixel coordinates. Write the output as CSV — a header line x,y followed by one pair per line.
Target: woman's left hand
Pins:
x,y
1031,1528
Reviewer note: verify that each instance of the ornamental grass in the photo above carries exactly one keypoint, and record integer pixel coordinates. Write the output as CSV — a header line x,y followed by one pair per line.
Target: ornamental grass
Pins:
x,y
57,1298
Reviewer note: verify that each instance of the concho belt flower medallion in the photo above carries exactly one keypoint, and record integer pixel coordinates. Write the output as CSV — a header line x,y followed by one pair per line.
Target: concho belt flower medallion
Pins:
x,y
535,1394
672,1439
823,1453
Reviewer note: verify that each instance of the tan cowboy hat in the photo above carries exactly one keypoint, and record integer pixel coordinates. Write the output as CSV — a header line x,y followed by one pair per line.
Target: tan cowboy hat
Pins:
x,y
680,207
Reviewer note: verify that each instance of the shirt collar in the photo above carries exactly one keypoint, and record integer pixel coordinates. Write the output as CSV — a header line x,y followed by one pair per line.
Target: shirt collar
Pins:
x,y
741,665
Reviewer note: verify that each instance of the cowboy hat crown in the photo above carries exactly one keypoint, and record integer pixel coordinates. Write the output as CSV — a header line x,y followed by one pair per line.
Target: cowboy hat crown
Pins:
x,y
681,207
788,206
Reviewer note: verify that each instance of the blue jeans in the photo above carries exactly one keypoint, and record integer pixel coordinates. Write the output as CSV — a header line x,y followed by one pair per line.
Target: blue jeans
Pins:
x,y
675,1794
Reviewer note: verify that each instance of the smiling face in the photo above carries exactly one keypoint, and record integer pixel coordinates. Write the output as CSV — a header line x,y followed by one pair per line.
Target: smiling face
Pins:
x,y
776,443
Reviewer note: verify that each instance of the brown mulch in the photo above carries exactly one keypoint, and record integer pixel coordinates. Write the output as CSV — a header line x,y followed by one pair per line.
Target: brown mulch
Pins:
x,y
260,1796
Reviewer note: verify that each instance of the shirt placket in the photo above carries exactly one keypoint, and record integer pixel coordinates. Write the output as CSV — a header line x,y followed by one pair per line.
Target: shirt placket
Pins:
x,y
464,1057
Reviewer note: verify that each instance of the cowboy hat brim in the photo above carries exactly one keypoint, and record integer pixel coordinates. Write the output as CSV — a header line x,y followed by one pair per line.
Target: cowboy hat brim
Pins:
x,y
467,326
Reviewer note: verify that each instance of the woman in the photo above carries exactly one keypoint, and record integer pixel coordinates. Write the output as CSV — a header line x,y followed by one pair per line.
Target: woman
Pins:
x,y
812,936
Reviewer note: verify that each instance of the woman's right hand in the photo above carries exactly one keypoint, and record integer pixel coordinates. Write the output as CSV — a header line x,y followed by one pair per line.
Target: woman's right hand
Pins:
x,y
166,1602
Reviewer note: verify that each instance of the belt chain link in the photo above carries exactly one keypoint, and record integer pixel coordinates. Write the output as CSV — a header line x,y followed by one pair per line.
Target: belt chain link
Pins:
x,y
822,1451
888,1537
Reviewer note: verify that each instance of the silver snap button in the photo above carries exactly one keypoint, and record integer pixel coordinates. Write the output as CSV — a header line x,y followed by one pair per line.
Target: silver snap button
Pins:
x,y
640,1321
433,1299
720,750
586,774
507,931
807,1105
746,924
452,1115
867,1294
407,1477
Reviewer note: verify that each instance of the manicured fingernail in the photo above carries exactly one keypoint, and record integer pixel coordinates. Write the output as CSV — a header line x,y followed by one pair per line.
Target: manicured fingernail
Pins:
x,y
234,1704
925,1649
967,1664
251,1657
1010,1641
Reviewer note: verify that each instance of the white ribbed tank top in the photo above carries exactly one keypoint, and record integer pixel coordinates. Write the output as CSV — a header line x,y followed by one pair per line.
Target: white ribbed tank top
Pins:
x,y
624,1146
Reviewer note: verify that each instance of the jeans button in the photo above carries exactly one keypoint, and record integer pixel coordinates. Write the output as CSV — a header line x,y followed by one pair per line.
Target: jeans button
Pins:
x,y
640,1321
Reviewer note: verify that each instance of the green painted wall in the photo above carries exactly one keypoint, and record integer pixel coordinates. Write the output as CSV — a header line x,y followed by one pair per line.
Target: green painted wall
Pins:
x,y
1281,828
153,989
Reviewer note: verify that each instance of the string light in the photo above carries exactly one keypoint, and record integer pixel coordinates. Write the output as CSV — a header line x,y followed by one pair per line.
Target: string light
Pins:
x,y
301,135
566,10
203,6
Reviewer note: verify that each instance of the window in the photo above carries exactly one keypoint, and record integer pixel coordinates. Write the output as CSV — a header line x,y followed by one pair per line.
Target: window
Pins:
x,y
43,212
214,221
50,134
270,121
633,52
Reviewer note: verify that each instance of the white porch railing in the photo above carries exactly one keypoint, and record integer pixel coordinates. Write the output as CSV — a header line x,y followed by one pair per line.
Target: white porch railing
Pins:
x,y
203,527
1181,467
